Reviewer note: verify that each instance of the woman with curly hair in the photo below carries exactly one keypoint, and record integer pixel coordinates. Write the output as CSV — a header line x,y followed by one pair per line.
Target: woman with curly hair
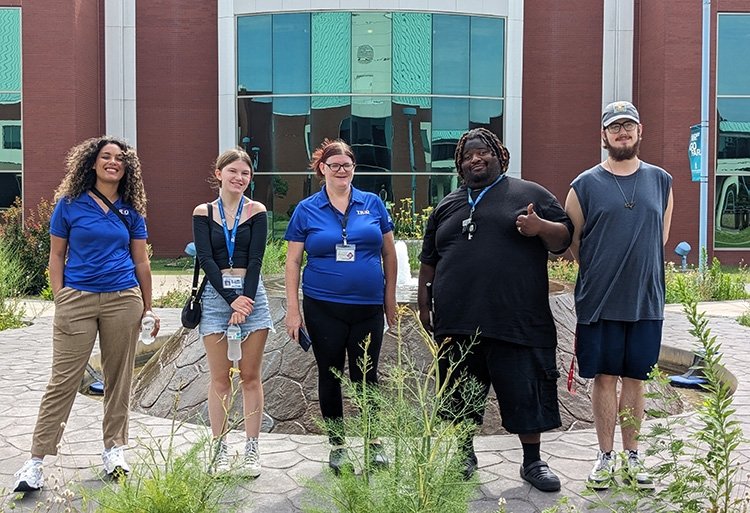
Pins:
x,y
101,279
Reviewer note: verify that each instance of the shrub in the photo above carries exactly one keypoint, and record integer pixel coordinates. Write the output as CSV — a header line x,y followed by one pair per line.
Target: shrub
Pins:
x,y
30,241
275,257
562,269
12,276
711,284
407,223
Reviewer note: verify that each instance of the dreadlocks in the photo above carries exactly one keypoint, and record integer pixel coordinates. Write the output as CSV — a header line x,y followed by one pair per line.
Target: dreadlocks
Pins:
x,y
491,140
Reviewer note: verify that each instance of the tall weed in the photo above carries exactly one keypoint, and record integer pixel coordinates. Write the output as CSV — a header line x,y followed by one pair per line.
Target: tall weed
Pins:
x,y
12,278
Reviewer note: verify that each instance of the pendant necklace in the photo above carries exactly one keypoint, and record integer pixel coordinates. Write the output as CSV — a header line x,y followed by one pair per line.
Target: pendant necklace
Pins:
x,y
628,204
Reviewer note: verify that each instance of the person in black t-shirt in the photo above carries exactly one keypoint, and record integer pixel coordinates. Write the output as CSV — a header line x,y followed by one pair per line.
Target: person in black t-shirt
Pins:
x,y
483,291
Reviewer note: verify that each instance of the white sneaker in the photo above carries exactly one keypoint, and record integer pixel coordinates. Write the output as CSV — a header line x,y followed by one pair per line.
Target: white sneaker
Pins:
x,y
602,476
219,458
114,461
30,477
637,473
251,462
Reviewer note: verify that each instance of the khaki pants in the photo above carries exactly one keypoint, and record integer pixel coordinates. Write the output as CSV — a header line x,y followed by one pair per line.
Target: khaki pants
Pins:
x,y
78,317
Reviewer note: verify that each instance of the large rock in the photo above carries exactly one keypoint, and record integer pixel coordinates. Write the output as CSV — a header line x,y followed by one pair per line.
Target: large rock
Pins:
x,y
174,383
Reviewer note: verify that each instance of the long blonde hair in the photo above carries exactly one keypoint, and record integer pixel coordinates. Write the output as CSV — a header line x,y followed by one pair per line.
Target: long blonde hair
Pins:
x,y
80,176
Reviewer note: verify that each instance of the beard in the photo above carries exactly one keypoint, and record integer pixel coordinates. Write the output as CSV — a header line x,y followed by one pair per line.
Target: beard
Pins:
x,y
624,153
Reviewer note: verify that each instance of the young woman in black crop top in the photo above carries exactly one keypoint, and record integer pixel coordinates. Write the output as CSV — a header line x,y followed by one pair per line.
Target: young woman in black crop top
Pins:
x,y
230,240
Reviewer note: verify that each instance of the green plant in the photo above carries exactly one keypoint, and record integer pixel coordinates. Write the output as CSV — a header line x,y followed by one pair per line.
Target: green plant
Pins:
x,y
562,269
711,284
12,278
407,411
744,319
174,298
29,238
275,257
407,222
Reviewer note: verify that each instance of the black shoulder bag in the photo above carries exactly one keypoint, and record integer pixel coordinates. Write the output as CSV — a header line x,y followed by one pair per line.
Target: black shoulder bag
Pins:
x,y
191,312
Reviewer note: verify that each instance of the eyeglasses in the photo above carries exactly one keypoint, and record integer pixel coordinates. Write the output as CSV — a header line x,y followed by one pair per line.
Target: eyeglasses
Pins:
x,y
615,128
335,167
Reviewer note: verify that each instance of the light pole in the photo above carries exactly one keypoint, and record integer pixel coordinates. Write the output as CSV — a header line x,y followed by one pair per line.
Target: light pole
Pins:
x,y
705,71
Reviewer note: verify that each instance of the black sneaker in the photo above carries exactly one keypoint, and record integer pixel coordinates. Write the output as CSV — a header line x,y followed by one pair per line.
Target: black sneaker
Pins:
x,y
470,465
338,460
540,476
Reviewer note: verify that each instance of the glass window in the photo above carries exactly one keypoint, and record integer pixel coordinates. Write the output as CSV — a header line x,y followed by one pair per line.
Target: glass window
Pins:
x,y
401,88
733,70
732,191
12,137
11,155
487,56
412,70
450,54
254,55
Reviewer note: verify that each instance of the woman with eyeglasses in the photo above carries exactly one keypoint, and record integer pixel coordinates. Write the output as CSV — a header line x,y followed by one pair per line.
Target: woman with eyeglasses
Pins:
x,y
348,282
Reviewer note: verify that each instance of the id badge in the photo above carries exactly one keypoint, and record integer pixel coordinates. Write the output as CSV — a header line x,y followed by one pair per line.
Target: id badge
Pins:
x,y
229,281
345,252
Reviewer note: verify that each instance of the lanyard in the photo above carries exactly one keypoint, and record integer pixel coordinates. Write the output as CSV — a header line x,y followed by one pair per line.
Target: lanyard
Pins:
x,y
343,220
474,202
230,237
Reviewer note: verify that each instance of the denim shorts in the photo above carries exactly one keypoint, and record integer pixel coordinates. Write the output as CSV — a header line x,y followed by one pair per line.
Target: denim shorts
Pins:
x,y
216,313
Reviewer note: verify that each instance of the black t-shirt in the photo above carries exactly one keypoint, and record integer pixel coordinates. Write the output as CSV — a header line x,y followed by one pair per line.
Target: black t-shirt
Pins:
x,y
496,283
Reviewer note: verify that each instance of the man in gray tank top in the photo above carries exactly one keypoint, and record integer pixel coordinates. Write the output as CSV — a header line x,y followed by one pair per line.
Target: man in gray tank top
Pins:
x,y
621,210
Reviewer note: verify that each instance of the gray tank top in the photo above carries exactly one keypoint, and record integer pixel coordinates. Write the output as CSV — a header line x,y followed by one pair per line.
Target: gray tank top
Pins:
x,y
621,273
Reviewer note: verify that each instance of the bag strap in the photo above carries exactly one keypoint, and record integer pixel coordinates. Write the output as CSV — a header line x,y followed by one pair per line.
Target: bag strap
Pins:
x,y
195,291
109,204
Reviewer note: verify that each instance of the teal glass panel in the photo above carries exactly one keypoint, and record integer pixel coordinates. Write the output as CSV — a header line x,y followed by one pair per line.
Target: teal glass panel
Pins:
x,y
412,58
254,55
487,56
331,57
732,200
450,54
10,49
291,53
733,72
371,53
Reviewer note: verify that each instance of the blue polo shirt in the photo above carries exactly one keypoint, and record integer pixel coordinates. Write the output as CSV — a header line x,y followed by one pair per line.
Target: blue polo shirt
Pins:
x,y
316,223
99,257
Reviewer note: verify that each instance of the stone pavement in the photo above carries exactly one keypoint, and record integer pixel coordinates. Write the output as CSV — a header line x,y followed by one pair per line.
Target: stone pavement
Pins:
x,y
291,459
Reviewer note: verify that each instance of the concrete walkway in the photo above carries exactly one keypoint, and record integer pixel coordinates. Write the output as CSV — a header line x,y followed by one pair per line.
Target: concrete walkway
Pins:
x,y
288,460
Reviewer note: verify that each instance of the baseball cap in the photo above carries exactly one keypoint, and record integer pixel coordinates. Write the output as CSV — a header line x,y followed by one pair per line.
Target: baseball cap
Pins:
x,y
619,110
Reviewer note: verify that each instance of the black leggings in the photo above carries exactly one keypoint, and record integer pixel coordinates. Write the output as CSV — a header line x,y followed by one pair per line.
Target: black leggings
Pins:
x,y
337,330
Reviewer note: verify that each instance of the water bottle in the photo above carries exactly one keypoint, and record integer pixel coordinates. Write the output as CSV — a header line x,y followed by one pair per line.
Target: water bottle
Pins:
x,y
234,341
147,326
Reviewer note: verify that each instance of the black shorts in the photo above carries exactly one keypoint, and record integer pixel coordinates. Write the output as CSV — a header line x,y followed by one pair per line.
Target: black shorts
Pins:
x,y
618,348
524,379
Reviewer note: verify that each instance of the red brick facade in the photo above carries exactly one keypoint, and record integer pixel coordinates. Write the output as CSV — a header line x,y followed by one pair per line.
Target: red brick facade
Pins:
x,y
177,103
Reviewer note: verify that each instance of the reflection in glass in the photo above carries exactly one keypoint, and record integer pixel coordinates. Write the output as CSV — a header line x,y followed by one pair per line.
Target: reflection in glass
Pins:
x,y
733,69
401,88
10,188
732,222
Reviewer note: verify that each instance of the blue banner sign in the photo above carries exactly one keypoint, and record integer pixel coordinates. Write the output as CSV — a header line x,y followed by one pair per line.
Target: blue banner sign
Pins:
x,y
694,153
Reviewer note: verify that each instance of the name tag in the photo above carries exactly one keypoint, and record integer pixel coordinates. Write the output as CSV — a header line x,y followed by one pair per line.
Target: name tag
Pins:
x,y
230,281
345,252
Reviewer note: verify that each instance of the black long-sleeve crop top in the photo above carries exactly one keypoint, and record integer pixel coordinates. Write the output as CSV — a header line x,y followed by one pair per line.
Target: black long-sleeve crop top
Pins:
x,y
211,250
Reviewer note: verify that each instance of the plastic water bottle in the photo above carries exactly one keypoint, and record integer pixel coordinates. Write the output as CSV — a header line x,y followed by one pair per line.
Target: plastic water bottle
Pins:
x,y
147,326
234,341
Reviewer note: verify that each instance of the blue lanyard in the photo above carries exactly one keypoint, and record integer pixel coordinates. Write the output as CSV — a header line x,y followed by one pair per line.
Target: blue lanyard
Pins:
x,y
474,202
230,237
343,220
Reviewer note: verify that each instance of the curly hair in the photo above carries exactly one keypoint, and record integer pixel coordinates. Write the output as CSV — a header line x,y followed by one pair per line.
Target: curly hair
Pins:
x,y
327,149
80,176
491,140
226,158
